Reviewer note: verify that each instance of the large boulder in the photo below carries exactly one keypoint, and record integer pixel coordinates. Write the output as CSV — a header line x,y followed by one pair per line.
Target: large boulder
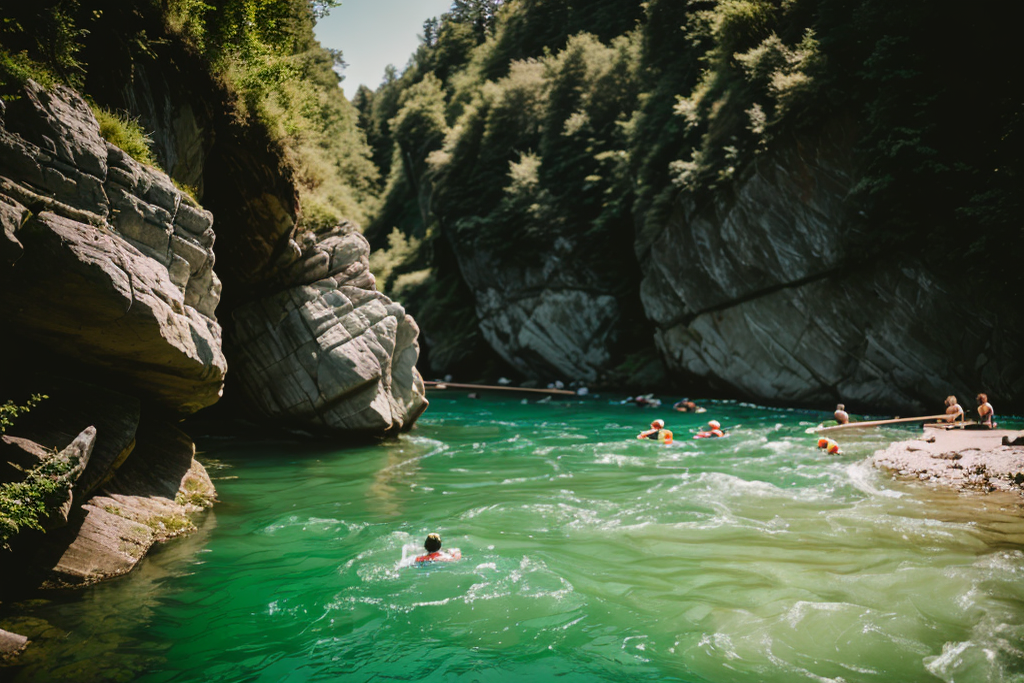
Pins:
x,y
149,500
108,263
329,352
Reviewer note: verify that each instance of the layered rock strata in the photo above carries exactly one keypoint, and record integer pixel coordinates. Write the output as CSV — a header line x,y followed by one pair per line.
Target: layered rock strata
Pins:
x,y
109,264
106,274
758,293
555,319
149,500
328,351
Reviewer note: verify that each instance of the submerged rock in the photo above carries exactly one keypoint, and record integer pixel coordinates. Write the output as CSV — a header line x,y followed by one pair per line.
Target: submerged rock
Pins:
x,y
11,645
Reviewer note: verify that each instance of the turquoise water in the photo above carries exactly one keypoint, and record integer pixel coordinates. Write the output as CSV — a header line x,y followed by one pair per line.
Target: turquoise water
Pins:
x,y
588,556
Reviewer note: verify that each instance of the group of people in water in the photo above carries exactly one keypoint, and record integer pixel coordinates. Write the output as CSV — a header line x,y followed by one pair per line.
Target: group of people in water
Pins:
x,y
657,432
714,430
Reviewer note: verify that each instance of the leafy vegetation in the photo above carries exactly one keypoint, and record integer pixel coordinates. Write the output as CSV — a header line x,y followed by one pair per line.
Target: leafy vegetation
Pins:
x,y
9,410
265,53
26,504
523,122
126,133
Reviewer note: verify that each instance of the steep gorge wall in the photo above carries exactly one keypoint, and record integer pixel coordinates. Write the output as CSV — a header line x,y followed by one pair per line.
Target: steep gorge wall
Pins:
x,y
765,293
111,299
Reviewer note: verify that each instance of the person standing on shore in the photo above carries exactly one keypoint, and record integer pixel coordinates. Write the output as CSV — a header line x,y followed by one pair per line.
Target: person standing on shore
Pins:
x,y
985,413
841,416
953,410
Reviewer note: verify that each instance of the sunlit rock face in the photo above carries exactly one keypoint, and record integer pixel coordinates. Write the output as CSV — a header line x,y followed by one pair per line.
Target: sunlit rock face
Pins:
x,y
555,319
759,293
105,262
328,351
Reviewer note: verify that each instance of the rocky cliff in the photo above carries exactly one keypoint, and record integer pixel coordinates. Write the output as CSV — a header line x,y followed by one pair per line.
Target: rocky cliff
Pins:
x,y
109,289
109,293
764,293
553,319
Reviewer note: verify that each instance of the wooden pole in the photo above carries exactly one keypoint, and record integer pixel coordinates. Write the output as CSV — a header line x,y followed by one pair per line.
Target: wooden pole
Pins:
x,y
876,423
446,385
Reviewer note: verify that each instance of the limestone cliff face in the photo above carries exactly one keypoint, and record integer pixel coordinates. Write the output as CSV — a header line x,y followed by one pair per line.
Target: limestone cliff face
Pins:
x,y
106,274
760,294
107,263
554,319
328,351
269,264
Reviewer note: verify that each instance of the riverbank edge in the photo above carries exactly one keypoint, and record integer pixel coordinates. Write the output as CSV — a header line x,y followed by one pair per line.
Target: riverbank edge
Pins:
x,y
984,461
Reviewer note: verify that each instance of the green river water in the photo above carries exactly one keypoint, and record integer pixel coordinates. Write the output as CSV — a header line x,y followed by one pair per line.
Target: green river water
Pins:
x,y
588,556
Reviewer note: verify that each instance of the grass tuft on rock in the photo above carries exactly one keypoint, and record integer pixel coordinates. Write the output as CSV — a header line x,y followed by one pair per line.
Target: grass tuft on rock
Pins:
x,y
126,133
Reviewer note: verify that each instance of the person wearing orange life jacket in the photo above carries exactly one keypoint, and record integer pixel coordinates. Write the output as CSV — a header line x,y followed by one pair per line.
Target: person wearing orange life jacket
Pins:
x,y
657,432
829,445
434,552
713,431
652,433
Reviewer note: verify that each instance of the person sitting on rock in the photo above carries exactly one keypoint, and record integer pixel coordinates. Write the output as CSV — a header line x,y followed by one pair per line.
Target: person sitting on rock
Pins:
x,y
841,416
953,409
652,433
985,413
434,552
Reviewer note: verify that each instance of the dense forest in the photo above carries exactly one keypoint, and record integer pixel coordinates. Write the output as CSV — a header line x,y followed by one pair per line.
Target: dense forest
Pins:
x,y
516,123
553,139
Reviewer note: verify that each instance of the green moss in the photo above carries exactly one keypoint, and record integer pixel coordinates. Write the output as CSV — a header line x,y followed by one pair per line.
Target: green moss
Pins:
x,y
188,190
168,526
16,69
196,493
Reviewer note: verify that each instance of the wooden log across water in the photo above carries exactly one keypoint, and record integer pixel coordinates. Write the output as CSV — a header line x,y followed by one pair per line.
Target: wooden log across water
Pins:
x,y
453,385
876,423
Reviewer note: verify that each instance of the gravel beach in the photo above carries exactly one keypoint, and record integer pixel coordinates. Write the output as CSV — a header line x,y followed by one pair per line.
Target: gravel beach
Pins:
x,y
964,459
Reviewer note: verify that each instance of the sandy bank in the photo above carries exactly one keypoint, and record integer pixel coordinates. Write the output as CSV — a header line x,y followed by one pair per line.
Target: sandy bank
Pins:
x,y
962,459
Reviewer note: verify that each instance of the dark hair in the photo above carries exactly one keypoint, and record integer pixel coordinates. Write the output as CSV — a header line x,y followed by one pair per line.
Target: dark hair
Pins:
x,y
983,398
433,543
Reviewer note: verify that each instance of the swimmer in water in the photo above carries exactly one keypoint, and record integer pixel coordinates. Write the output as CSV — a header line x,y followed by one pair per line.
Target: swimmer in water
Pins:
x,y
712,431
434,552
652,433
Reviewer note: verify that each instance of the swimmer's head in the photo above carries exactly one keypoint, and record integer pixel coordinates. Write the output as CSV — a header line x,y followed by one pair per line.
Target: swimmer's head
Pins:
x,y
658,424
715,424
823,442
433,543
840,407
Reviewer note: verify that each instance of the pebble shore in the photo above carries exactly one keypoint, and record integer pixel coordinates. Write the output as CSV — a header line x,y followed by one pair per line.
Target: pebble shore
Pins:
x,y
977,460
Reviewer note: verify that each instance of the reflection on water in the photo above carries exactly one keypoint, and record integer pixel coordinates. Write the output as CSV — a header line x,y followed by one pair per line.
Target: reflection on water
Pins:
x,y
589,556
